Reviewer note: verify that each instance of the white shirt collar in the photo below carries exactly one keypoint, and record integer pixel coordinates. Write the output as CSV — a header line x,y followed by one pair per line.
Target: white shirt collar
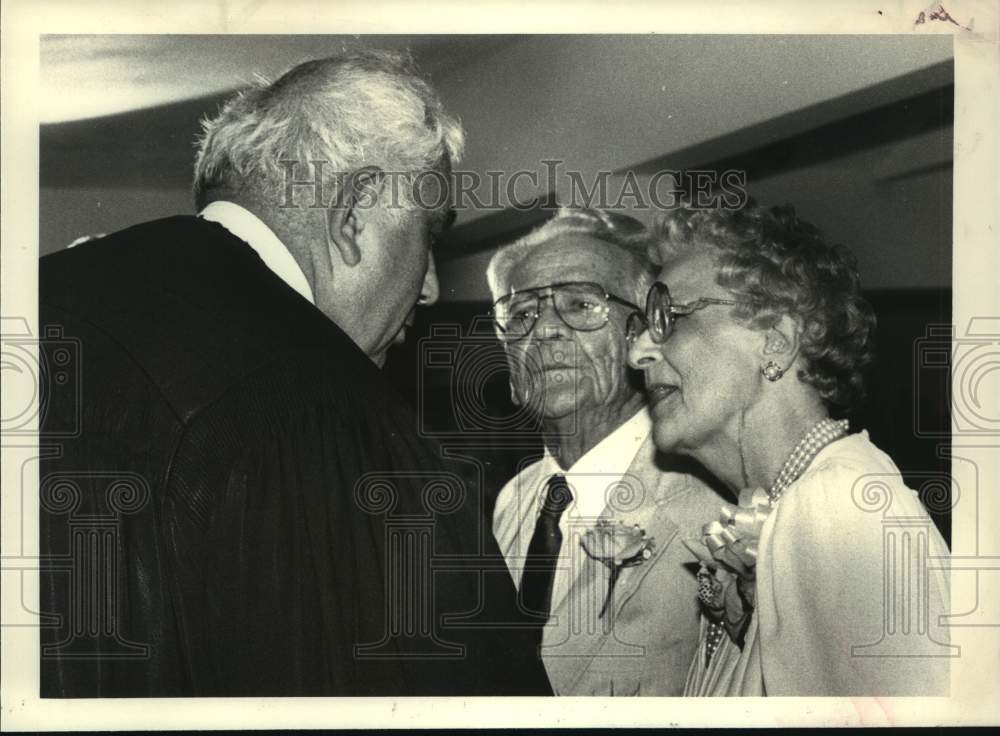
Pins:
x,y
249,228
601,467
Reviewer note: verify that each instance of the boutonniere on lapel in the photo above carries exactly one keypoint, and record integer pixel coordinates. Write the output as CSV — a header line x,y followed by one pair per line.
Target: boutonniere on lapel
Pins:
x,y
617,545
727,581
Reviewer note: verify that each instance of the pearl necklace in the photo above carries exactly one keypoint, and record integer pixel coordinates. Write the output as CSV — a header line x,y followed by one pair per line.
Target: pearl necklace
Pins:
x,y
822,434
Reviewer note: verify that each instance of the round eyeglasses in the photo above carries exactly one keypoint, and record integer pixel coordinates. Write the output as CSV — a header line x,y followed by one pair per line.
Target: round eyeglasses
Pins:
x,y
581,305
661,313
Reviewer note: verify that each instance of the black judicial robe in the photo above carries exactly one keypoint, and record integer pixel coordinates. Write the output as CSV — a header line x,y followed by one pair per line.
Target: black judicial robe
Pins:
x,y
233,501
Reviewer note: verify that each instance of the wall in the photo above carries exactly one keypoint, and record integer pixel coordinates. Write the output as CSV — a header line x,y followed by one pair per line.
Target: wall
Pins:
x,y
597,102
610,102
891,204
68,213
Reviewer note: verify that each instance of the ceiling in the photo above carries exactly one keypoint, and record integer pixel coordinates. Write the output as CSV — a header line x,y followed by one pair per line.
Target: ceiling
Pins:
x,y
123,111
90,76
846,126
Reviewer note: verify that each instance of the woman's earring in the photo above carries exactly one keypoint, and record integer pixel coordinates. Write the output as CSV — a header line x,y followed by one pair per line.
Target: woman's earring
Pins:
x,y
772,371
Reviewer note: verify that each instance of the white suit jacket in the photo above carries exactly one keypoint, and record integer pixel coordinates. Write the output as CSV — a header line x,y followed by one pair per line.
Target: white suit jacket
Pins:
x,y
644,642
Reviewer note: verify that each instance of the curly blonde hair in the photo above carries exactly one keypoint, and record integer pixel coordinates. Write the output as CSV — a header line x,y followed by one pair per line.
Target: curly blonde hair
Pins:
x,y
775,264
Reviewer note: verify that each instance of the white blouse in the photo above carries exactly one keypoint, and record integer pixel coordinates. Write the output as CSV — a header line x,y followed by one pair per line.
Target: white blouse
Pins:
x,y
850,590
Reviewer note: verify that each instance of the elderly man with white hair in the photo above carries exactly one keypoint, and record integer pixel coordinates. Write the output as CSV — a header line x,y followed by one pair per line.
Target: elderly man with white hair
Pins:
x,y
262,514
592,532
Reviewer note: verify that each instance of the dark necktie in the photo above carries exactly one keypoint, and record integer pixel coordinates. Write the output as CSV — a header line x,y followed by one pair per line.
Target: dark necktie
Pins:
x,y
543,551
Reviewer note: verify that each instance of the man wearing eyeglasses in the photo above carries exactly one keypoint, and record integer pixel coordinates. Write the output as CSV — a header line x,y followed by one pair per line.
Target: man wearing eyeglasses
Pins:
x,y
591,532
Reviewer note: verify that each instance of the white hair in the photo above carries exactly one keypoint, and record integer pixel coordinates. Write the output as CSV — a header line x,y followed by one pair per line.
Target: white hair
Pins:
x,y
352,111
622,232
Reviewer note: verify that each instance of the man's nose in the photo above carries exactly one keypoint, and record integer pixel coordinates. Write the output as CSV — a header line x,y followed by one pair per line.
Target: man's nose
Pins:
x,y
643,352
549,324
431,290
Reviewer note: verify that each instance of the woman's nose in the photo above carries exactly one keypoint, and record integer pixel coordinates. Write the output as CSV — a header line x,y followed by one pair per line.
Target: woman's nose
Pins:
x,y
643,352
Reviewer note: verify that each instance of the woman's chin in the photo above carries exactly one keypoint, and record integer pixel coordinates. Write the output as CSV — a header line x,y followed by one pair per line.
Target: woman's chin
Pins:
x,y
666,437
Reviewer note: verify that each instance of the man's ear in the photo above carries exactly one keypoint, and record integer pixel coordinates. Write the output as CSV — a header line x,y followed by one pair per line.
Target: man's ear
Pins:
x,y
346,218
781,342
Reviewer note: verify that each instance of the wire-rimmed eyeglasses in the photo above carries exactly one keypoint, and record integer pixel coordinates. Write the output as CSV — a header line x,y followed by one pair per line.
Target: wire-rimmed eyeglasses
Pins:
x,y
581,305
661,313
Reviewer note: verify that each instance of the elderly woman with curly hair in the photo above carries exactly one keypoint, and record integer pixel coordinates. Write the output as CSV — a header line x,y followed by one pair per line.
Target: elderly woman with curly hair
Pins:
x,y
753,342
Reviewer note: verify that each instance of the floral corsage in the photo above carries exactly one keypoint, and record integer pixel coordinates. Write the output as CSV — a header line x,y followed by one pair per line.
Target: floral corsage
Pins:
x,y
727,583
617,545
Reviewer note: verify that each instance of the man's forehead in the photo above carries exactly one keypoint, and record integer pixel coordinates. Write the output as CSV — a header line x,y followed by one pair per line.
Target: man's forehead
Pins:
x,y
443,217
579,255
439,219
432,191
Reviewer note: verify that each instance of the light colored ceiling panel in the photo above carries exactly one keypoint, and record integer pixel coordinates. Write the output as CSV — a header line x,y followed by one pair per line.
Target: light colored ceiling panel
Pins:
x,y
86,76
